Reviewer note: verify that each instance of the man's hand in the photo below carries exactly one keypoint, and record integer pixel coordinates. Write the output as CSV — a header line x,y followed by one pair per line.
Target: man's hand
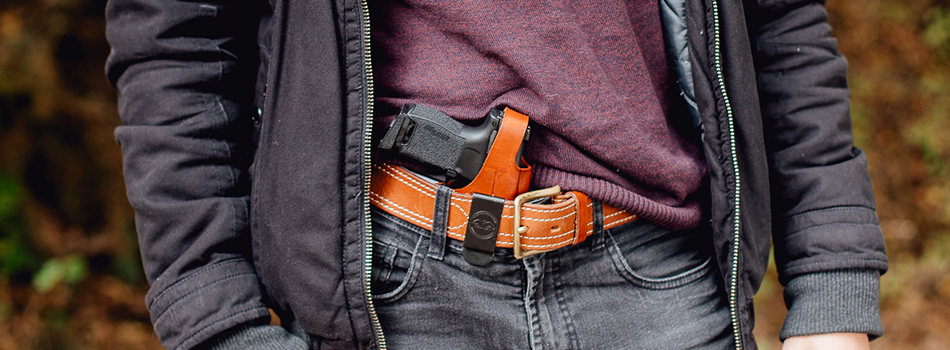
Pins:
x,y
837,341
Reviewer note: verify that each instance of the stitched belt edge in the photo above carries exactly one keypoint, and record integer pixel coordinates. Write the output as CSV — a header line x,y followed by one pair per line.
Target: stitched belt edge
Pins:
x,y
407,196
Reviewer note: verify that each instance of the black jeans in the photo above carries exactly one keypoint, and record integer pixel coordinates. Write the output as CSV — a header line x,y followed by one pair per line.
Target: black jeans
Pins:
x,y
636,286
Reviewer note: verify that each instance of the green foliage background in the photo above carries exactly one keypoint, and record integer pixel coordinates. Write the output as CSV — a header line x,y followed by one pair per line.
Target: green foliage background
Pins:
x,y
70,276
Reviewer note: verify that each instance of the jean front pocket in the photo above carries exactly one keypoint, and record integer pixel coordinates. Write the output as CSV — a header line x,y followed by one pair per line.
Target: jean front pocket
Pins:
x,y
398,254
655,257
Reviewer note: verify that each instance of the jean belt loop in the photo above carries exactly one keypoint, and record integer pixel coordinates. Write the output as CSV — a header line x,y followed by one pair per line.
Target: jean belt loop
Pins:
x,y
598,235
440,222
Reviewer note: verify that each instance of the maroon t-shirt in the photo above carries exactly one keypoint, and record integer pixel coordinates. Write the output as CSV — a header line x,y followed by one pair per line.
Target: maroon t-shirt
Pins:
x,y
593,76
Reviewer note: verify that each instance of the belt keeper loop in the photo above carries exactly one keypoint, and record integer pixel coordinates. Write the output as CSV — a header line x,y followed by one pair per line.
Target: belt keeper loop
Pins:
x,y
440,222
583,218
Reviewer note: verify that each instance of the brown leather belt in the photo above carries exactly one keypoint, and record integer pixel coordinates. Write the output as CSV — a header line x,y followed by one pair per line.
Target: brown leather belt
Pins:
x,y
544,227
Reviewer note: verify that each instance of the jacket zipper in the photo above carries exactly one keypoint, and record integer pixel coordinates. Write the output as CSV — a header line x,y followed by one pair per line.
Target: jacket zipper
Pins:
x,y
734,278
367,176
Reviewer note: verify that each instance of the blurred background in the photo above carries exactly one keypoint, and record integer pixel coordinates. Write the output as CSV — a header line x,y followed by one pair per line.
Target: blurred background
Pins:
x,y
71,276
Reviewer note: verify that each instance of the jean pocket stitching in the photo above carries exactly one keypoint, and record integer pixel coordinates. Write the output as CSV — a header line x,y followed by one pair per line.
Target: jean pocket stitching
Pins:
x,y
677,280
412,271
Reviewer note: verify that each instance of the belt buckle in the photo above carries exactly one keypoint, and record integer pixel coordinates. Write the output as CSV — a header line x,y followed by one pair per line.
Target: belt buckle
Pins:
x,y
521,199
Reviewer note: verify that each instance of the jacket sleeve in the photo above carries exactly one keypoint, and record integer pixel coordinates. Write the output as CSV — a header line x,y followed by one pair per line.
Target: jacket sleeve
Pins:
x,y
828,243
185,72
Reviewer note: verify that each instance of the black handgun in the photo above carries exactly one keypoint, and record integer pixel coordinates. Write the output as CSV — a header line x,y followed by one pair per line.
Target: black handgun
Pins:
x,y
448,150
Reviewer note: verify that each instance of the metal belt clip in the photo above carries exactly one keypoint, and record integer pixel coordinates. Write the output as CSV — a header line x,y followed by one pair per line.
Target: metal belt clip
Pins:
x,y
482,233
519,230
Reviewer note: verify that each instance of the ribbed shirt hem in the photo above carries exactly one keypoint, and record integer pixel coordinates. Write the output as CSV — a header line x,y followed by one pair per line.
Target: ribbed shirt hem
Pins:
x,y
680,216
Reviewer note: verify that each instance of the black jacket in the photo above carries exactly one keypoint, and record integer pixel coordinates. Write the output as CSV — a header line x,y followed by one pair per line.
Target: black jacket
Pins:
x,y
247,145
